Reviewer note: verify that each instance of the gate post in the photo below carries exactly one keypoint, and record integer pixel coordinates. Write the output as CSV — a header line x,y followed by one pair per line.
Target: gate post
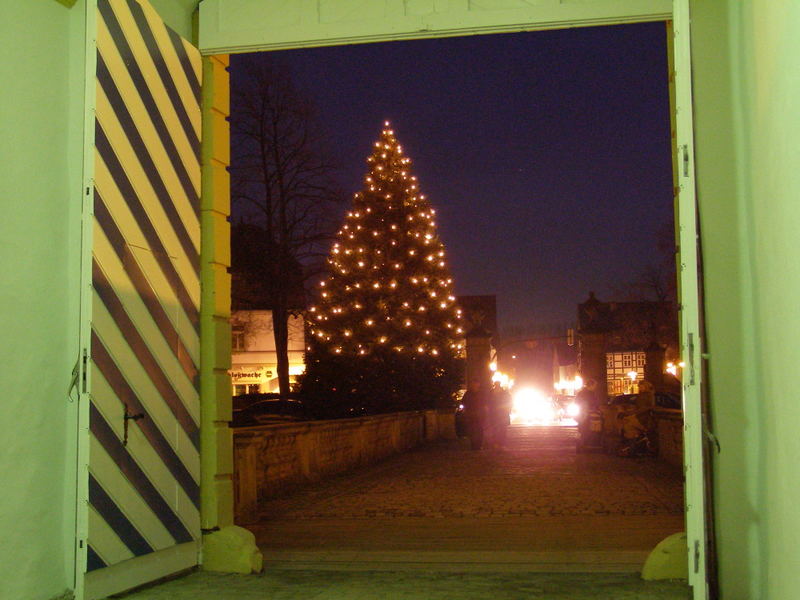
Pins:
x,y
225,546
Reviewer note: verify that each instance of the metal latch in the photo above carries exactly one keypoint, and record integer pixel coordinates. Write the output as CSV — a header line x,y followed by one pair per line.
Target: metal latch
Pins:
x,y
129,417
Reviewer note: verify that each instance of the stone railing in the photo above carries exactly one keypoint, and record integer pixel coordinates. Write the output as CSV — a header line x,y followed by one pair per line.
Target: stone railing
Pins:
x,y
669,428
271,459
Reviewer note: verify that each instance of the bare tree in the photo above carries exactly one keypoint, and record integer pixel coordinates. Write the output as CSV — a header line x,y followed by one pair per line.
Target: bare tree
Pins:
x,y
656,282
283,191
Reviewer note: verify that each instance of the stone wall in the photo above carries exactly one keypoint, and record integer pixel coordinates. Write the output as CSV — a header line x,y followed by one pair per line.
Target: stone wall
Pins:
x,y
669,429
271,459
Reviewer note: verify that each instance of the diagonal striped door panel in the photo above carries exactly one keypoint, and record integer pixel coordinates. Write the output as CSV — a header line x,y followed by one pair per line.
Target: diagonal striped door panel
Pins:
x,y
144,472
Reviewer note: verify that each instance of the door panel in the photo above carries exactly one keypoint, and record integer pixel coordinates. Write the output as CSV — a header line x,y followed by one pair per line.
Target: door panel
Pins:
x,y
144,452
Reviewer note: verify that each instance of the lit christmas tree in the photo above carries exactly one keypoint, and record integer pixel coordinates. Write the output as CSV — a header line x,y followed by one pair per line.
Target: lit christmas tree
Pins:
x,y
386,334
389,286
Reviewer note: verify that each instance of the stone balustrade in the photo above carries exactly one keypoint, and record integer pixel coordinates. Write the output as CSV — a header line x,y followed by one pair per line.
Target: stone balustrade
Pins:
x,y
669,430
271,459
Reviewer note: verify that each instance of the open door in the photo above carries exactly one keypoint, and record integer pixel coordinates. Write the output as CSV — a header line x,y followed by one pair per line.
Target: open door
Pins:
x,y
142,493
698,522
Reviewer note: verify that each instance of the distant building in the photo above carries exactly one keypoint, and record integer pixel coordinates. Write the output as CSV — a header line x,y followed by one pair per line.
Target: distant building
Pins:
x,y
254,365
622,343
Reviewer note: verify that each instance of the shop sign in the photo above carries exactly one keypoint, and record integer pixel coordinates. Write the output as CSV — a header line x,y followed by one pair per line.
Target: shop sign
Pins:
x,y
256,374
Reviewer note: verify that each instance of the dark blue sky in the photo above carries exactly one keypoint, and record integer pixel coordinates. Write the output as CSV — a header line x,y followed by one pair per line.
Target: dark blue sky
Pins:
x,y
546,154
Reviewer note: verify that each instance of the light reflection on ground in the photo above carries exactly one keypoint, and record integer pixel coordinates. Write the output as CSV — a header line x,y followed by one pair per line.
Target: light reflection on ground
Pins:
x,y
520,420
532,407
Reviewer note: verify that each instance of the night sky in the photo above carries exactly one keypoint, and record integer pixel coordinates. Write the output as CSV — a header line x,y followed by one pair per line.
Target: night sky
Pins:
x,y
546,154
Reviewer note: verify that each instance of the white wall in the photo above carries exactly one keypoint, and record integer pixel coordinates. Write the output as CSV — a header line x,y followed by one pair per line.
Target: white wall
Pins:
x,y
747,82
40,197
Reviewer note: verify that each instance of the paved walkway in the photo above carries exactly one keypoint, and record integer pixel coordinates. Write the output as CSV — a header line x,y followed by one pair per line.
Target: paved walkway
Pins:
x,y
535,506
533,520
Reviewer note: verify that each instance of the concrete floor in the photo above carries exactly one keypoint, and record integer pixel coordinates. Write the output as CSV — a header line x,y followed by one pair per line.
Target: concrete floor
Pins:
x,y
406,585
531,520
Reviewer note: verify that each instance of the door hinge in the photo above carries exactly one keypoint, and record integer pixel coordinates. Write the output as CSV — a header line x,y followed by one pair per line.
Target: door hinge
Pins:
x,y
690,344
685,151
712,438
85,363
73,382
697,556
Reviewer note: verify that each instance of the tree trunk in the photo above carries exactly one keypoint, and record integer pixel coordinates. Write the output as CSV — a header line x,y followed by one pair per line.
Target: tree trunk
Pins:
x,y
280,327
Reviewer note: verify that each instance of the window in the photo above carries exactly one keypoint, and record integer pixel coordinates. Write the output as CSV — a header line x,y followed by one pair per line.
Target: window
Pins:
x,y
619,366
237,338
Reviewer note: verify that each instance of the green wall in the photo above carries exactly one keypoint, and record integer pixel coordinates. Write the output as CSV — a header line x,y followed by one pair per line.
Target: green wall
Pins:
x,y
177,14
746,81
41,153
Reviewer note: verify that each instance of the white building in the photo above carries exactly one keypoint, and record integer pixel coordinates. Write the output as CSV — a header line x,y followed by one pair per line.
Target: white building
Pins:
x,y
254,365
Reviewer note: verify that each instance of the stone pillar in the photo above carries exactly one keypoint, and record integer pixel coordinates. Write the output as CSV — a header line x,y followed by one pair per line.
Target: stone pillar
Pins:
x,y
654,366
479,354
593,360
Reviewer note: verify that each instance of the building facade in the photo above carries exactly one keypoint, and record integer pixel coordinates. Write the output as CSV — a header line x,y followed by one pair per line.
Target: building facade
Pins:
x,y
254,363
621,344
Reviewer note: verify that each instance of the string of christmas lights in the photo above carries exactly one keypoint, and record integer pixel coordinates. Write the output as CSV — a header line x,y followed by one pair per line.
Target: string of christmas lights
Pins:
x,y
389,284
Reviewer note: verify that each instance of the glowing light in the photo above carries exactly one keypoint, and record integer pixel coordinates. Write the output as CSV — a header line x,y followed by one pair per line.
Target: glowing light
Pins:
x,y
568,386
504,380
531,406
493,366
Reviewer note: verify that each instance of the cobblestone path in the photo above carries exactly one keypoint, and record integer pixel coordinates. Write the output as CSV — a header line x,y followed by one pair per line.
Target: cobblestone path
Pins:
x,y
537,474
536,505
533,521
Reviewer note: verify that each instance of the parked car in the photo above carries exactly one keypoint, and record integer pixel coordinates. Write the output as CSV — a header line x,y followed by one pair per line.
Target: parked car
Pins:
x,y
261,409
663,400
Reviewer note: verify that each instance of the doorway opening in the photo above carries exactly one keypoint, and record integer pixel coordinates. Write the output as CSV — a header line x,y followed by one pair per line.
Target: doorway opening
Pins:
x,y
685,159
